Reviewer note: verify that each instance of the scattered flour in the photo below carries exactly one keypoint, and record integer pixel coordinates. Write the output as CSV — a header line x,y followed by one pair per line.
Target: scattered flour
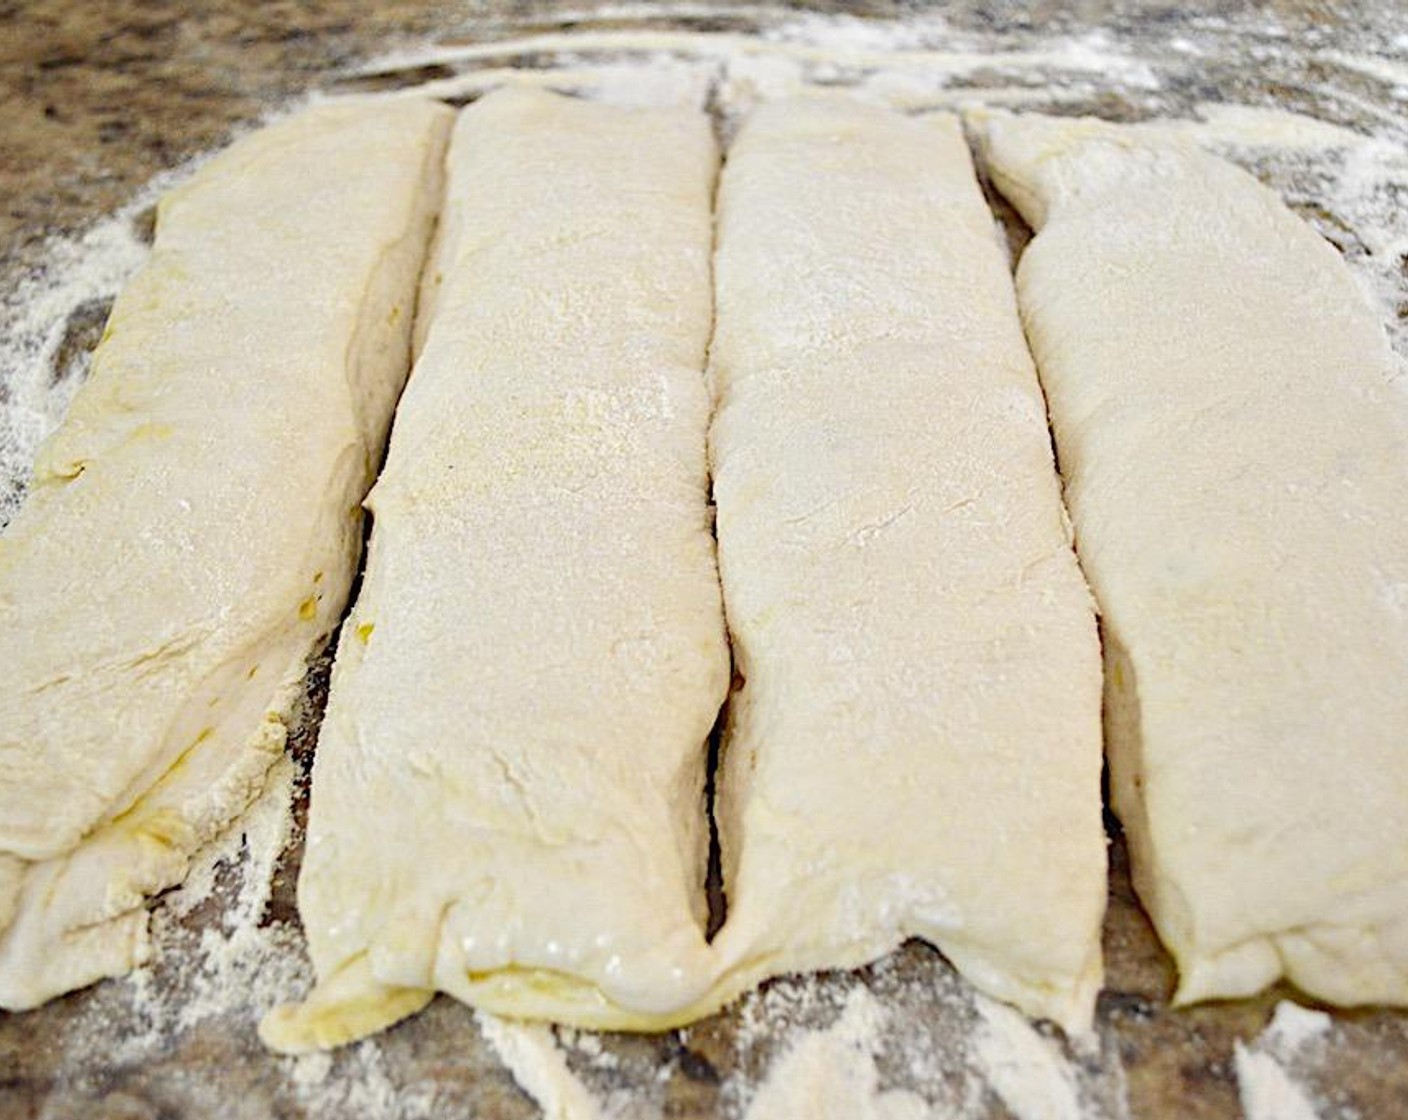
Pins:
x,y
1267,1091
356,1084
239,956
831,1074
33,319
1295,1029
532,1055
1392,72
311,1070
909,1040
587,1046
213,957
1026,1069
662,81
1269,1069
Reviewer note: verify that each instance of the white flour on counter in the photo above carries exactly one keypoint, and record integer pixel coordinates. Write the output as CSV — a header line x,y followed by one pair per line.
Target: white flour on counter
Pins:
x,y
831,1074
213,955
531,1053
836,1051
1267,1091
1028,1070
894,1043
37,381
909,1040
1268,1081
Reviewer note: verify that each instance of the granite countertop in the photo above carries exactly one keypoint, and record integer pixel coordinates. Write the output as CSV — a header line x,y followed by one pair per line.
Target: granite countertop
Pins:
x,y
100,98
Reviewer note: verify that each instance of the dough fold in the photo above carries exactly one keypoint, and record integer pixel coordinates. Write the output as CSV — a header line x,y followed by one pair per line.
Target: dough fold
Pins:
x,y
193,526
507,801
915,750
1236,466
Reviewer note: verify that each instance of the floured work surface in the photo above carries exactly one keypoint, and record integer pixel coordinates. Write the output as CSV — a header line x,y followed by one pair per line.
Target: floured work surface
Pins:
x,y
905,1037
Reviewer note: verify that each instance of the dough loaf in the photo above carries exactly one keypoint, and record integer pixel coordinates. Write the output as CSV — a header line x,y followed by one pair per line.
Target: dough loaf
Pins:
x,y
1236,463
193,526
916,749
507,802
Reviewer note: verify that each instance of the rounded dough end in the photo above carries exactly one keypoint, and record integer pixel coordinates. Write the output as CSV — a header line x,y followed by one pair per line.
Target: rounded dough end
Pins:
x,y
349,1006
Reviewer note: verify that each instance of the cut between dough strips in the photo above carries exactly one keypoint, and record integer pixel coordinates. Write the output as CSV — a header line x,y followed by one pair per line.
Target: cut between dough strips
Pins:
x,y
193,526
1236,465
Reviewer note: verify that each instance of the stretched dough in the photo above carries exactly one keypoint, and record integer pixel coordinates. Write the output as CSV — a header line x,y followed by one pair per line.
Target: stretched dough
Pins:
x,y
1236,465
507,801
916,750
193,526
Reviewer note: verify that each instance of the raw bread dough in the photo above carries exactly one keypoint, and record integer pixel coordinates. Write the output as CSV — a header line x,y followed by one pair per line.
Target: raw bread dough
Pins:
x,y
193,526
1236,464
916,750
507,802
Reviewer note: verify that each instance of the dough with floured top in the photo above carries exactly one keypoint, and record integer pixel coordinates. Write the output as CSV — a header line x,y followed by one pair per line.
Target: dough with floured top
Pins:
x,y
193,526
1236,463
915,750
507,802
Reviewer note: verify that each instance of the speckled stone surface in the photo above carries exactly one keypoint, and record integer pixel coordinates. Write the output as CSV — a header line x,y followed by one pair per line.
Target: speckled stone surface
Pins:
x,y
99,98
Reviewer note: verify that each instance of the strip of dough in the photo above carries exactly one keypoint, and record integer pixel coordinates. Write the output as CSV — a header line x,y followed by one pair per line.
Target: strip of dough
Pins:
x,y
193,526
508,795
1237,469
916,750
